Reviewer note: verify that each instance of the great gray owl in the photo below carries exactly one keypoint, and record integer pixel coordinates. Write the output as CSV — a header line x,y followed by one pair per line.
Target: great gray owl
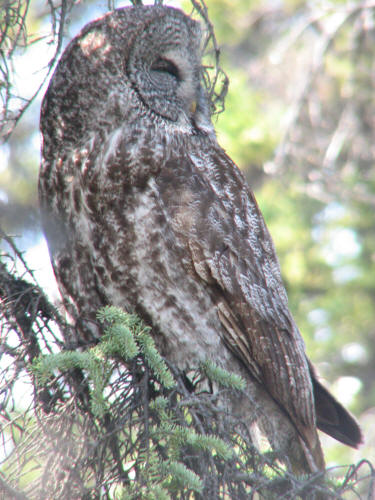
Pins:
x,y
144,210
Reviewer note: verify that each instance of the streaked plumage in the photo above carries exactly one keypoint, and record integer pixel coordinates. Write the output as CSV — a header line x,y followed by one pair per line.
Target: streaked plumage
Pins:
x,y
143,209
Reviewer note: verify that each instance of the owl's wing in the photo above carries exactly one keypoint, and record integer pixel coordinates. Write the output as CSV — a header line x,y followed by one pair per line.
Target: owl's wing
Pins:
x,y
230,249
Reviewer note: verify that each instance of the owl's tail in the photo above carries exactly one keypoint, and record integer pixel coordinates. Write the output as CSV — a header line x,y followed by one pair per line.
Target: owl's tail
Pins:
x,y
333,419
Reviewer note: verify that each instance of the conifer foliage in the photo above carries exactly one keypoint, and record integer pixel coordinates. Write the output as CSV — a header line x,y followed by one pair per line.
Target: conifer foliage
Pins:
x,y
115,420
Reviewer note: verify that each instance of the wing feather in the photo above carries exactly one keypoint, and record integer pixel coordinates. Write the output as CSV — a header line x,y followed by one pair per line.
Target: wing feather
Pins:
x,y
230,249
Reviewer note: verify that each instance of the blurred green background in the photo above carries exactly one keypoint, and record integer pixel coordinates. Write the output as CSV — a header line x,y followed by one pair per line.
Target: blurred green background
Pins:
x,y
299,121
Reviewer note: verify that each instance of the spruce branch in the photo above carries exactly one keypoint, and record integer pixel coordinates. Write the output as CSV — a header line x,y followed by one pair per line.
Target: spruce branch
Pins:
x,y
221,376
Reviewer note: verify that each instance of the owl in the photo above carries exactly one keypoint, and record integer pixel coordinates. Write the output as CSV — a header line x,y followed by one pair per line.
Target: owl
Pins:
x,y
142,209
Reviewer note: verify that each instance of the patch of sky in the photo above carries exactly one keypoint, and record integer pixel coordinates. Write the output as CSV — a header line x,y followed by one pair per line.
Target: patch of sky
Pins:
x,y
4,157
337,243
344,274
354,353
323,334
37,257
342,244
317,317
345,389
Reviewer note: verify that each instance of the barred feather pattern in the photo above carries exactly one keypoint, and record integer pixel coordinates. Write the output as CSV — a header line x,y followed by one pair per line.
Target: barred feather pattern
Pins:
x,y
143,209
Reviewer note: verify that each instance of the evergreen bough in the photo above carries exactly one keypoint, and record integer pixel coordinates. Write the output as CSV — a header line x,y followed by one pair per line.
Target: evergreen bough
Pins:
x,y
127,338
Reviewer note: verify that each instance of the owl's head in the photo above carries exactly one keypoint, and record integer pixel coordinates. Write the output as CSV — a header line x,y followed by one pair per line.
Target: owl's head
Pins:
x,y
134,62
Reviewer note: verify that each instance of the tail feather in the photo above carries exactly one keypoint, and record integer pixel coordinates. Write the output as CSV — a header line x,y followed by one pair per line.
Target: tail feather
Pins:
x,y
333,418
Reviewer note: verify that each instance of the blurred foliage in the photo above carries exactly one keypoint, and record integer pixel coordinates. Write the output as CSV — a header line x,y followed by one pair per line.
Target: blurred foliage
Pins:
x,y
117,421
300,122
304,80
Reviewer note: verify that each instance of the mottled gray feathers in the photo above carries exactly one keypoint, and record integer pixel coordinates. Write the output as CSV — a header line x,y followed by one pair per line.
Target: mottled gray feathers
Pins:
x,y
142,209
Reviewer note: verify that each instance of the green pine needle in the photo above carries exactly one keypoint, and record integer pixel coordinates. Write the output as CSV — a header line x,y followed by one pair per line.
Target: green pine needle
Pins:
x,y
180,477
222,376
155,361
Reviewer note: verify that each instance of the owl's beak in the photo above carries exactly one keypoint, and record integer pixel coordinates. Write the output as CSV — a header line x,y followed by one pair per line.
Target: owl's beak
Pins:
x,y
193,106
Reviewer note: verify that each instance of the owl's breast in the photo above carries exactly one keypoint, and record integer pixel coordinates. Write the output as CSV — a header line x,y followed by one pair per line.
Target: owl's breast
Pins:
x,y
151,276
